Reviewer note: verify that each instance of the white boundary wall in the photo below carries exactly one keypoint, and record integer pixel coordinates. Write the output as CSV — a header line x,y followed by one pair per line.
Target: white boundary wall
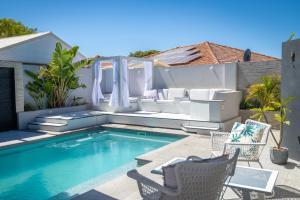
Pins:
x,y
196,76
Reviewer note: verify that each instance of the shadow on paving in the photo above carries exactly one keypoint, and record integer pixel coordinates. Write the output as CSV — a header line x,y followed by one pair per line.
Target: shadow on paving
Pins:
x,y
93,195
291,165
17,135
285,192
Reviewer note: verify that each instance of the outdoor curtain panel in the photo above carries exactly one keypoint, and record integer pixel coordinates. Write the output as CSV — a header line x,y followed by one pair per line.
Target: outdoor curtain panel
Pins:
x,y
120,93
148,77
97,93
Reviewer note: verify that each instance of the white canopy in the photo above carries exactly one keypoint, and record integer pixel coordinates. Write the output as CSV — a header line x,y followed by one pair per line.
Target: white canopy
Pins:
x,y
97,93
120,93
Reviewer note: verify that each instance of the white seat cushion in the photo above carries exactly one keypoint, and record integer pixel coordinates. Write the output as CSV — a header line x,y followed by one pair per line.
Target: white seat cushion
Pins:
x,y
174,93
213,92
199,94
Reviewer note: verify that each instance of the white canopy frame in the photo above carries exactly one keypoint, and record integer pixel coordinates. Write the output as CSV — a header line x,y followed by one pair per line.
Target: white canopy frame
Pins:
x,y
119,99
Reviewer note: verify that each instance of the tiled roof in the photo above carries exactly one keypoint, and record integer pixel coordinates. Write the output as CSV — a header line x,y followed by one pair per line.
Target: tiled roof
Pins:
x,y
211,53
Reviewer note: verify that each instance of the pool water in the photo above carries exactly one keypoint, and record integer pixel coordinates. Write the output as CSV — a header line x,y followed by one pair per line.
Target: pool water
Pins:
x,y
62,167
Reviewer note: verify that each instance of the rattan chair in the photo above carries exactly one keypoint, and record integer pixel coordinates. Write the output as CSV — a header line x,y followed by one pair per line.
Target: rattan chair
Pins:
x,y
195,181
249,151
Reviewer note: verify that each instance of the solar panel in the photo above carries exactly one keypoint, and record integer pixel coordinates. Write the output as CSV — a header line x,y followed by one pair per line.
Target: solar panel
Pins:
x,y
187,59
173,52
179,56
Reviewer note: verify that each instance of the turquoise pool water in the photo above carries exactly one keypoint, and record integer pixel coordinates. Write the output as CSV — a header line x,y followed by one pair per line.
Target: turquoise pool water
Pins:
x,y
62,167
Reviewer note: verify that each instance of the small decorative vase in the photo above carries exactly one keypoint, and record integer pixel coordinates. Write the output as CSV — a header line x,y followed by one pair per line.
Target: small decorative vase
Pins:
x,y
279,156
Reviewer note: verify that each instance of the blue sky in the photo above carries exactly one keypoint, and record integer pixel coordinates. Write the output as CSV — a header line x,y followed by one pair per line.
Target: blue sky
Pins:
x,y
114,27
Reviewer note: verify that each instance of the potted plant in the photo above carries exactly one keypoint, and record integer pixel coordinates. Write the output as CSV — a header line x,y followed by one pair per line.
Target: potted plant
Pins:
x,y
279,154
266,94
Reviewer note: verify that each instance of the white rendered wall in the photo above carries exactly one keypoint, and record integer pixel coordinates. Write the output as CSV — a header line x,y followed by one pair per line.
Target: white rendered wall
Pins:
x,y
136,81
85,77
196,76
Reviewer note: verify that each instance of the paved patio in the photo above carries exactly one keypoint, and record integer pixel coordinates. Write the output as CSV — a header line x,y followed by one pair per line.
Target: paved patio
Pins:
x,y
287,185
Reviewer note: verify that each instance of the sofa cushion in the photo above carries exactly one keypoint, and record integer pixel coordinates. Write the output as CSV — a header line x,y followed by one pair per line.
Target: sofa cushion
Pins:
x,y
174,93
213,93
199,94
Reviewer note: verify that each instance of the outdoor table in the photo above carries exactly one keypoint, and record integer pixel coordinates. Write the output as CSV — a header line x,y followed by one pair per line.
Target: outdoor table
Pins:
x,y
249,179
246,179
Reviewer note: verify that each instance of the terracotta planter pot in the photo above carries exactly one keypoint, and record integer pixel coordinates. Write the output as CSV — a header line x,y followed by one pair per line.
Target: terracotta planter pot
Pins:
x,y
279,156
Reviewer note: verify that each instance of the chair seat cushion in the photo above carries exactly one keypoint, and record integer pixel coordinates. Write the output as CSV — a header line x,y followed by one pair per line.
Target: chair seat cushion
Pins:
x,y
169,175
245,133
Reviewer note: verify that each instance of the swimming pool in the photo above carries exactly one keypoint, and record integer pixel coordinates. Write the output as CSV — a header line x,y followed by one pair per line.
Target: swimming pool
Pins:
x,y
64,166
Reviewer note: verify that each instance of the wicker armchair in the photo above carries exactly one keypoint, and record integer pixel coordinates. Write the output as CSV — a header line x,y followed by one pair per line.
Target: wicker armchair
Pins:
x,y
249,151
195,181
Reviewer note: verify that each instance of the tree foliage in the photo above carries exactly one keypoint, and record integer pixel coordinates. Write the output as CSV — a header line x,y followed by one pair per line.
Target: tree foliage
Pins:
x,y
141,54
10,27
267,94
58,79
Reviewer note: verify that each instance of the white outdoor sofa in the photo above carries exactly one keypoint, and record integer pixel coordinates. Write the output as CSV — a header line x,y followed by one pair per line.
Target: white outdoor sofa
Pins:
x,y
104,105
166,102
215,105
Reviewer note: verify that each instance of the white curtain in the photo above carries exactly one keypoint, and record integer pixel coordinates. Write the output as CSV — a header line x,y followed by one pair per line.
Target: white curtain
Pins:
x,y
124,92
97,93
114,98
120,94
148,77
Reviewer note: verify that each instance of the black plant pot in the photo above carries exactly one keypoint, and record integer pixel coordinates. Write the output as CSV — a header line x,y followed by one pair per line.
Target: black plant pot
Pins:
x,y
279,156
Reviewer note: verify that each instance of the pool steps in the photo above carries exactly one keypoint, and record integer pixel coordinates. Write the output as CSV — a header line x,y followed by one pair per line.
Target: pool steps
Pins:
x,y
83,119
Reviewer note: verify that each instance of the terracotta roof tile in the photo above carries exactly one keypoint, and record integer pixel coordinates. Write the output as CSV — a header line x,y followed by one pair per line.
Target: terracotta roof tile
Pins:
x,y
212,53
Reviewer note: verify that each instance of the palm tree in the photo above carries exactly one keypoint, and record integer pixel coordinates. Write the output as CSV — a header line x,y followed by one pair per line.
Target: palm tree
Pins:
x,y
267,94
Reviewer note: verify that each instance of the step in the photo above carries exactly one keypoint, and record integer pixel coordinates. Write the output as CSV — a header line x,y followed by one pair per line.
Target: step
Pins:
x,y
51,120
46,126
198,129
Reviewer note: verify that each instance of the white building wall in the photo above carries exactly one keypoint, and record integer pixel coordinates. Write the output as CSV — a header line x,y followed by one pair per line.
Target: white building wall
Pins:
x,y
35,51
